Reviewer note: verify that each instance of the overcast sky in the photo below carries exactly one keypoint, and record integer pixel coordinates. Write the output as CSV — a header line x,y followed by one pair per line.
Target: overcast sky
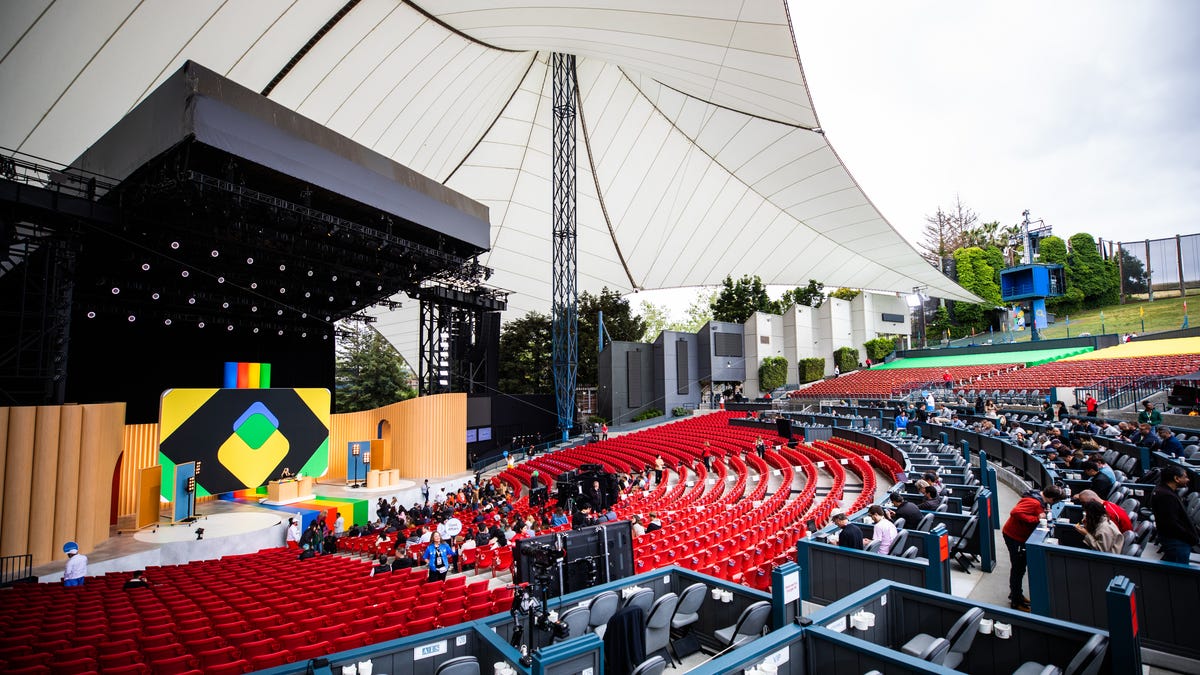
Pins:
x,y
1087,113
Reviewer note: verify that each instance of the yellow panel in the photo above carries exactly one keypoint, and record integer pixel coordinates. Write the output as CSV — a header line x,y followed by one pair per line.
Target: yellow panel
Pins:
x,y
14,537
70,431
253,375
177,406
149,492
43,484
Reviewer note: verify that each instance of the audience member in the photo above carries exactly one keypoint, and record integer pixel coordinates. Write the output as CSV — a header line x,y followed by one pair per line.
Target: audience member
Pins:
x,y
306,552
1100,483
851,535
438,555
1099,533
885,531
1176,533
1149,414
138,580
382,565
1170,442
932,501
906,510
1022,521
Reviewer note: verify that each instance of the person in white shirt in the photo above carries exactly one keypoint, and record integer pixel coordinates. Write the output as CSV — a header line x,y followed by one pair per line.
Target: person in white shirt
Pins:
x,y
293,533
885,531
76,568
339,526
638,528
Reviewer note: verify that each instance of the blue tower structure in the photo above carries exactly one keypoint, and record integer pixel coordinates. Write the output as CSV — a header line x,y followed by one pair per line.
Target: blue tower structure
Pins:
x,y
1031,283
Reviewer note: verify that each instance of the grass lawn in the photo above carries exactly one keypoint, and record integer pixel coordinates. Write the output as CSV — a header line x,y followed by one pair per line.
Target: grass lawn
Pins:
x,y
1164,314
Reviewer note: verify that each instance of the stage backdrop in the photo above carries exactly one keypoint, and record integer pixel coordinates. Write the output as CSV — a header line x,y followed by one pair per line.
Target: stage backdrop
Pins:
x,y
243,437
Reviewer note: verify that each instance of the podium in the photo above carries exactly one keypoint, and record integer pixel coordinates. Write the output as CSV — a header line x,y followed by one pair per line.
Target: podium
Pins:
x,y
307,485
283,490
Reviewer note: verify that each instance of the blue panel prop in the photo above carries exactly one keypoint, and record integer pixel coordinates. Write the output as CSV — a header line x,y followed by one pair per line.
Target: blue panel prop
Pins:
x,y
183,499
357,452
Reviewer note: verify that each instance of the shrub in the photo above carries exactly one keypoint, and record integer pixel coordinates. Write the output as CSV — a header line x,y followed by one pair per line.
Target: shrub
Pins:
x,y
772,373
596,419
846,358
812,369
680,411
648,414
879,348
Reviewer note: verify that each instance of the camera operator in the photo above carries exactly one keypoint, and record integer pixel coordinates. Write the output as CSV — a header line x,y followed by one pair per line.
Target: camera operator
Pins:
x,y
582,517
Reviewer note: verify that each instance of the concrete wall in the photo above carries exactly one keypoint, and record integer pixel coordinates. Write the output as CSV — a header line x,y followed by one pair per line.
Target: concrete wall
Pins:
x,y
720,368
667,385
615,381
764,337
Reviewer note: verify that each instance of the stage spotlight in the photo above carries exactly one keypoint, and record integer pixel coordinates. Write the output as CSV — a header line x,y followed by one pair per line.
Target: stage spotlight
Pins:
x,y
166,322
333,278
229,327
256,329
191,301
283,290
310,273
200,325
304,335
254,308
91,315
116,291
279,312
224,305
282,268
331,298
145,267
132,318
379,288
155,296
184,274
220,280
174,246
215,253
199,533
254,284
281,332
249,261
357,282
354,302
307,294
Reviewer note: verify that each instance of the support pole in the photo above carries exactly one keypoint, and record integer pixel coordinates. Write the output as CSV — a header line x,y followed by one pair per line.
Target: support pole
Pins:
x,y
565,327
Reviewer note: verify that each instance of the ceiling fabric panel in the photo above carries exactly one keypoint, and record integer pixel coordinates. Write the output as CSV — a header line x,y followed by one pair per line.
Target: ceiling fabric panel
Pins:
x,y
705,145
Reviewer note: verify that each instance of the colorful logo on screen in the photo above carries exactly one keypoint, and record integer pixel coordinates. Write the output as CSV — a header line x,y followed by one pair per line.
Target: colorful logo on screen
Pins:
x,y
255,447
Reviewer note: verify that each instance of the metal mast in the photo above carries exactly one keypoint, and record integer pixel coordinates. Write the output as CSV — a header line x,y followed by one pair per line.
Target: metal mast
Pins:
x,y
565,331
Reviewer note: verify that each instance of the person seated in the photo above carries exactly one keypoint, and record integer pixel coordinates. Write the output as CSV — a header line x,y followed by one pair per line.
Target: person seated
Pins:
x,y
1098,531
1101,484
307,552
851,535
1115,513
136,581
932,501
1169,442
902,508
885,531
654,524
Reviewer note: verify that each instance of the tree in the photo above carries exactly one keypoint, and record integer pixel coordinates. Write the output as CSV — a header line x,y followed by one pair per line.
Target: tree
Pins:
x,y
975,273
1097,278
735,302
1135,279
699,312
525,361
945,231
655,319
878,348
846,294
369,373
772,373
846,358
619,322
812,295
1053,250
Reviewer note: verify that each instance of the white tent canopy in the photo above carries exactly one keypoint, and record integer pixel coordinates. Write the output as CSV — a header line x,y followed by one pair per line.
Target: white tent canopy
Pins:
x,y
700,154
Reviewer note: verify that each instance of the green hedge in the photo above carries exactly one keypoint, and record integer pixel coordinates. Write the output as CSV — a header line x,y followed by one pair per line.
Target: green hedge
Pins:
x,y
680,411
846,359
772,373
812,369
879,348
648,414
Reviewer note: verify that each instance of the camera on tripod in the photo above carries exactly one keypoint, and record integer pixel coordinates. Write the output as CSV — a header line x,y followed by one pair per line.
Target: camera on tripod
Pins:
x,y
543,555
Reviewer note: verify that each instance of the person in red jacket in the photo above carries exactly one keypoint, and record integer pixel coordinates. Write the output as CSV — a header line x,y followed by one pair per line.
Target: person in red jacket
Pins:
x,y
1116,514
1021,523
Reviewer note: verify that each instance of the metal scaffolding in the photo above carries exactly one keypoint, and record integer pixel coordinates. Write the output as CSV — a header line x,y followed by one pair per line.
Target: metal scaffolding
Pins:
x,y
564,314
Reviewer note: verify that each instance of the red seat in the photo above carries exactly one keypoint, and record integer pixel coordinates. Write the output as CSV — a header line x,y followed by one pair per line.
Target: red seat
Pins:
x,y
217,657
312,651
204,644
231,668
293,641
121,659
116,647
259,647
271,660
138,668
74,667
420,625
162,652
352,641
386,633
28,670
160,640
30,659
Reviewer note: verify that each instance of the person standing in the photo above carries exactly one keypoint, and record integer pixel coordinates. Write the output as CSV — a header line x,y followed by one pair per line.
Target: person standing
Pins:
x,y
1022,521
339,526
760,446
659,467
293,534
76,569
901,423
1176,534
1091,404
438,555
425,492
1149,414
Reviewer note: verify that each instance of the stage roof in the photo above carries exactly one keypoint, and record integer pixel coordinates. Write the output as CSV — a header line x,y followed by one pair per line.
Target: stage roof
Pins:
x,y
700,153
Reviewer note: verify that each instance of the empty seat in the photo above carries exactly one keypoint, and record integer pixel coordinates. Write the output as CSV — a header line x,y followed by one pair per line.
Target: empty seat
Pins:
x,y
462,665
655,665
642,598
601,609
1087,660
576,620
748,627
958,640
658,623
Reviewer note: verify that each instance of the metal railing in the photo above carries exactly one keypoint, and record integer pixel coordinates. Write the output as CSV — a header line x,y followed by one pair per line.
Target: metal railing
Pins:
x,y
20,167
14,568
1119,391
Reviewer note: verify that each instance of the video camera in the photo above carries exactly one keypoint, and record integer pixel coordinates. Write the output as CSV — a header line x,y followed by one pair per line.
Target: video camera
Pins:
x,y
543,555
